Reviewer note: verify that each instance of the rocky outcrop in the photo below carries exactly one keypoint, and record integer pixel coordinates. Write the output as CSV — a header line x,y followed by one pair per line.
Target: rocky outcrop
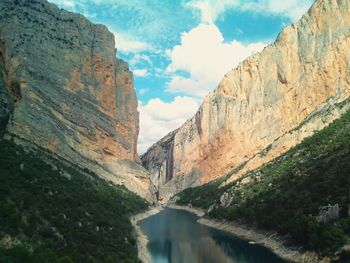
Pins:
x,y
159,161
62,88
328,213
266,105
6,103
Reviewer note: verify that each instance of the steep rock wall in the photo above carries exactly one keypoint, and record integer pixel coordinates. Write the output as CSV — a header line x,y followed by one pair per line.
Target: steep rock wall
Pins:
x,y
159,161
62,88
262,108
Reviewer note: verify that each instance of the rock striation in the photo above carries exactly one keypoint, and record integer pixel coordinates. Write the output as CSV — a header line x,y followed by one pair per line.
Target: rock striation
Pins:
x,y
265,106
159,162
63,89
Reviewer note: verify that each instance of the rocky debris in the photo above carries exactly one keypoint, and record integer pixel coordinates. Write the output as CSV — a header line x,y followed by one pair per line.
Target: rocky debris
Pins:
x,y
266,105
226,199
63,89
211,208
328,213
345,249
246,180
9,242
65,174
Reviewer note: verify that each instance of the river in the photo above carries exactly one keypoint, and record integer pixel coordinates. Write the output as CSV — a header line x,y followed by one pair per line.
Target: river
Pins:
x,y
176,237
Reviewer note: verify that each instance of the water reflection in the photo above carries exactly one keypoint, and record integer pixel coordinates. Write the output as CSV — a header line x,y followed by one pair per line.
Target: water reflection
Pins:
x,y
175,237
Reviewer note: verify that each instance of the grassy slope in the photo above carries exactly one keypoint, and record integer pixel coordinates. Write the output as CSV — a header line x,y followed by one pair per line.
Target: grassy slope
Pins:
x,y
285,195
62,218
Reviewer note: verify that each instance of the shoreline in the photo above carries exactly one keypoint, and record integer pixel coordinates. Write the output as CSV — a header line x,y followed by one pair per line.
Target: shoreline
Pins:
x,y
269,240
197,211
141,238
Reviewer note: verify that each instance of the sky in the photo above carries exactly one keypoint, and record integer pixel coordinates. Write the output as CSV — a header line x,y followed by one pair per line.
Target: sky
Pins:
x,y
179,50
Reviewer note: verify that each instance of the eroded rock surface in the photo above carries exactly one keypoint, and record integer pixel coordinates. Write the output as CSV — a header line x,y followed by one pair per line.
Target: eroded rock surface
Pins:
x,y
62,88
269,103
159,162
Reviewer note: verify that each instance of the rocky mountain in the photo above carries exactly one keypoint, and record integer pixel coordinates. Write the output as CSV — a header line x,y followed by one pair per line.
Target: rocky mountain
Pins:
x,y
300,199
63,89
266,105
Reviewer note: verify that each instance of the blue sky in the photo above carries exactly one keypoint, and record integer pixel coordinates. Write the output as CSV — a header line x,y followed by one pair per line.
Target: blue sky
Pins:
x,y
179,50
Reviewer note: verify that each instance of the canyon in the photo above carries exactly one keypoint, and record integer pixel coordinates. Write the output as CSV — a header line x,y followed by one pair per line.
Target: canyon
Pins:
x,y
63,89
73,97
268,104
268,149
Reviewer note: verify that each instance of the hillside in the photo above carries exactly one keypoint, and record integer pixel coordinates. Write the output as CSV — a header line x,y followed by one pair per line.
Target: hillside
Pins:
x,y
51,211
303,194
264,105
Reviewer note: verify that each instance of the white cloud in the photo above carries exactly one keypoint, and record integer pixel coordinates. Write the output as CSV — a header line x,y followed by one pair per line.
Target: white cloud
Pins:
x,y
68,3
127,44
158,118
212,9
198,87
159,71
168,111
206,57
140,72
140,58
293,9
142,91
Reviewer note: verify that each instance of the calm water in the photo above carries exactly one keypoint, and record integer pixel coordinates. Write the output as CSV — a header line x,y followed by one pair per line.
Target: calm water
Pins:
x,y
175,236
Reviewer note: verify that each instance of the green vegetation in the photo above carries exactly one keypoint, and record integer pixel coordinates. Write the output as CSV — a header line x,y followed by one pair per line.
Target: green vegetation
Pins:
x,y
53,212
204,195
286,194
201,196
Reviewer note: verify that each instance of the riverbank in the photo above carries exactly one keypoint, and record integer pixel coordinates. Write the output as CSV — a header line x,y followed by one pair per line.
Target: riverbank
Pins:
x,y
266,239
197,211
257,237
141,238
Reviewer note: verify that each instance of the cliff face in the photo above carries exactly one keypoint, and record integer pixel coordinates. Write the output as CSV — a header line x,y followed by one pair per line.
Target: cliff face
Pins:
x,y
269,103
62,88
159,161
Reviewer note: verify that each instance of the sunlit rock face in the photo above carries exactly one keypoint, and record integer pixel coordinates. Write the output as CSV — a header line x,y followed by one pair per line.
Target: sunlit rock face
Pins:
x,y
62,88
266,105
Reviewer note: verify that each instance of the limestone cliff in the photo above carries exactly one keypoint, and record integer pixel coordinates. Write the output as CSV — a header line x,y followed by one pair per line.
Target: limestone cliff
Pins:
x,y
266,105
159,161
62,88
